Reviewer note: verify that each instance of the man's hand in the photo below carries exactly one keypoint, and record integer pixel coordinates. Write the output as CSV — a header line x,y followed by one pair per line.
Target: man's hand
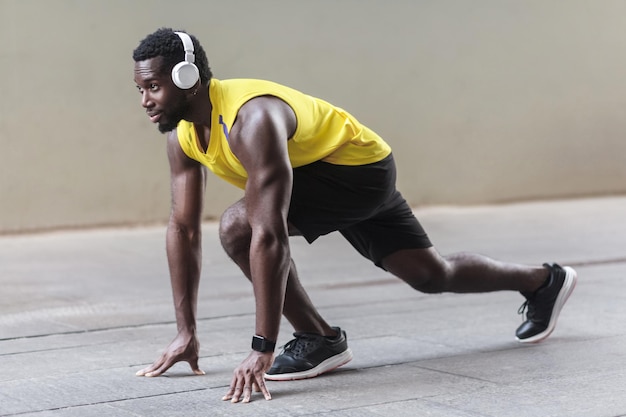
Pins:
x,y
248,376
184,347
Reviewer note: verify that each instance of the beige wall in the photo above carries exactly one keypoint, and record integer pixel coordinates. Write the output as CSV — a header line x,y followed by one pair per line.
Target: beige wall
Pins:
x,y
482,100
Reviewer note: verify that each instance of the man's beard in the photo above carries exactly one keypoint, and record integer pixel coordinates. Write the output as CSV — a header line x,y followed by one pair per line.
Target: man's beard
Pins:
x,y
170,119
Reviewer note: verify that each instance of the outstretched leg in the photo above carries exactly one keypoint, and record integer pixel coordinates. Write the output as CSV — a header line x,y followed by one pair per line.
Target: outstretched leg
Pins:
x,y
545,288
427,271
235,235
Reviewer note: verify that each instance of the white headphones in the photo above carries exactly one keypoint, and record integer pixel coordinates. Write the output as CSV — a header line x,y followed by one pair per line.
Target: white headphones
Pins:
x,y
185,74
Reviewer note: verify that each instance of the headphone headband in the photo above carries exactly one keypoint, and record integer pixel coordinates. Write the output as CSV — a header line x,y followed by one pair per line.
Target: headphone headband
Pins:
x,y
187,46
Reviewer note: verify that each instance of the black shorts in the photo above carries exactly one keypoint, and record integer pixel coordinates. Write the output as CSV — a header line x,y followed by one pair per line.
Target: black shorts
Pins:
x,y
361,202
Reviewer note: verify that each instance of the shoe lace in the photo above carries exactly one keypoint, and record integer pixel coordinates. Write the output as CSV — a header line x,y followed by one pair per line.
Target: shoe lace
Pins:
x,y
528,308
522,309
301,345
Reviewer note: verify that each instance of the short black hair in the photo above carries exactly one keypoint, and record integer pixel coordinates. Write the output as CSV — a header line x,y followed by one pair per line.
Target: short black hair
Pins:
x,y
167,44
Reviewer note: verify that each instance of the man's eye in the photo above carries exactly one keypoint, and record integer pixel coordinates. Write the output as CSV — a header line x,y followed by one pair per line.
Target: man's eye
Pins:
x,y
154,87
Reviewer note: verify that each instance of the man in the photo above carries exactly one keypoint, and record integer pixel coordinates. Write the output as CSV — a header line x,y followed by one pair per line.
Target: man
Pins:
x,y
308,168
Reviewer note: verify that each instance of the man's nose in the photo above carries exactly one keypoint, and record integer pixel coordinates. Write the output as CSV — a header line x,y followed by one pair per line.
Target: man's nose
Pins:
x,y
146,100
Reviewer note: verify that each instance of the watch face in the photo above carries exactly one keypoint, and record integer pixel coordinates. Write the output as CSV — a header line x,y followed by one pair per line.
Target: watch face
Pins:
x,y
257,343
260,344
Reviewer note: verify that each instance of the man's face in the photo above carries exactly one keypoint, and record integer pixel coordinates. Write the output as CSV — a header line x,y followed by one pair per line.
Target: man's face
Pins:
x,y
165,103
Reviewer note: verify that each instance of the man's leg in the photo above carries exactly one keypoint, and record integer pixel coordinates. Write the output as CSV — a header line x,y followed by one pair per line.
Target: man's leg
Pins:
x,y
235,235
427,271
317,347
545,288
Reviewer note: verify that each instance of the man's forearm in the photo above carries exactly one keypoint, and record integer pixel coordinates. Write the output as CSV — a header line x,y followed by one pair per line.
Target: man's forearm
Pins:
x,y
184,255
270,264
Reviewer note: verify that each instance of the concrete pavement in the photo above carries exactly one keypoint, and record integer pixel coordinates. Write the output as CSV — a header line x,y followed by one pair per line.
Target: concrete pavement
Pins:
x,y
82,311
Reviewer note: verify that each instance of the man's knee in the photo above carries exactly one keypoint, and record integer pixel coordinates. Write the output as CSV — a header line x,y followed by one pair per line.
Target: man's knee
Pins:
x,y
423,269
234,231
434,284
429,281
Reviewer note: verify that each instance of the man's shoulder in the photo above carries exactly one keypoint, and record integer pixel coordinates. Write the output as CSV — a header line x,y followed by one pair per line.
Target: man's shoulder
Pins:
x,y
242,81
236,86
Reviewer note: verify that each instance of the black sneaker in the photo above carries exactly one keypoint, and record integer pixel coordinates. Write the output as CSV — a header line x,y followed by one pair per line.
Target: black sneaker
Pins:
x,y
544,305
309,355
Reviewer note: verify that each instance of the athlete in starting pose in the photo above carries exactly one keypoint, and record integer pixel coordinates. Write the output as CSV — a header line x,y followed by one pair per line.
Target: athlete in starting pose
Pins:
x,y
308,168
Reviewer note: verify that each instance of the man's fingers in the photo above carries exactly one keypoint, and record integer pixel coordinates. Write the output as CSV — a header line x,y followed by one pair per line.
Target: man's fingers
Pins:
x,y
157,369
143,371
167,364
247,393
263,388
194,366
228,395
247,377
243,392
231,391
148,369
236,395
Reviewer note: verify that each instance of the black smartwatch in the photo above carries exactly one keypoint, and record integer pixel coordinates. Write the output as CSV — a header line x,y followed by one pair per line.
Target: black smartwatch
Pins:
x,y
261,344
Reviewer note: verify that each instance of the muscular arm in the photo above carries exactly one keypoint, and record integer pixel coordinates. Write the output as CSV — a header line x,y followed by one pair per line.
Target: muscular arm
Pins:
x,y
184,254
183,240
259,139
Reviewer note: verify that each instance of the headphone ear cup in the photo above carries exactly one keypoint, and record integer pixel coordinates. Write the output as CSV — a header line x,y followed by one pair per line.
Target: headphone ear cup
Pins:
x,y
185,75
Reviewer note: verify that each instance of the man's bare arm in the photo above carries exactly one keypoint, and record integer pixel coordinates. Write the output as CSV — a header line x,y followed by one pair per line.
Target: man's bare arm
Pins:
x,y
261,146
259,140
184,254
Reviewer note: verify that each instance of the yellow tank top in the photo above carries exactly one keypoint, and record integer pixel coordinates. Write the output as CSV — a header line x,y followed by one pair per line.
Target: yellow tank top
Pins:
x,y
324,132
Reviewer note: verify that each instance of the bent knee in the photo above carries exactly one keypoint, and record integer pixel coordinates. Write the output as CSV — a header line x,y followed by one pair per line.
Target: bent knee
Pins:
x,y
234,230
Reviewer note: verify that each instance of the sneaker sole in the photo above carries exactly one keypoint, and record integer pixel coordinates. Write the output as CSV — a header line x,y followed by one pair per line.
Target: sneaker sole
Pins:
x,y
328,365
568,286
